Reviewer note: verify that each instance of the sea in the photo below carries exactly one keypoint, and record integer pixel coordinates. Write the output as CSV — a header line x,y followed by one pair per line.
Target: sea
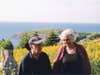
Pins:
x,y
8,29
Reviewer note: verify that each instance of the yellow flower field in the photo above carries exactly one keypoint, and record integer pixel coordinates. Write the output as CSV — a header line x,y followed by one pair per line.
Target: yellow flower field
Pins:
x,y
50,50
93,50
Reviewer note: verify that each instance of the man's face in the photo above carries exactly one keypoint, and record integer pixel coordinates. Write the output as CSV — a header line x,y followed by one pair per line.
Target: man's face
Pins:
x,y
36,49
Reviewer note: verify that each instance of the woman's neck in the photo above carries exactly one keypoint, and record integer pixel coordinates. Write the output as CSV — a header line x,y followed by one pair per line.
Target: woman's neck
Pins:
x,y
70,46
71,49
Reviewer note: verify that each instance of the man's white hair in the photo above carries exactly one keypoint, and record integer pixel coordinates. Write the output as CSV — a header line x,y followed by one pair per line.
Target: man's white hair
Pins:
x,y
69,32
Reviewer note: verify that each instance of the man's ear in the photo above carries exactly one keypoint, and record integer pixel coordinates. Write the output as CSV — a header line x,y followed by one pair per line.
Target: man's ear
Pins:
x,y
30,46
27,46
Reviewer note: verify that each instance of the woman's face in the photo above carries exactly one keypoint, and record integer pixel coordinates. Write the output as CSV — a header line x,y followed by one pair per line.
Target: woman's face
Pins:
x,y
67,39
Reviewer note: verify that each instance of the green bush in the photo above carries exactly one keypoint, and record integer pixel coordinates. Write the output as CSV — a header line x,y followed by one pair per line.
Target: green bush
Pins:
x,y
23,40
94,36
52,39
95,67
6,44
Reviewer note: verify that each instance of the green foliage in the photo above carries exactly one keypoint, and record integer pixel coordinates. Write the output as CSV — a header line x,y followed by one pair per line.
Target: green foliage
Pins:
x,y
47,31
6,44
51,39
82,36
23,40
94,36
95,67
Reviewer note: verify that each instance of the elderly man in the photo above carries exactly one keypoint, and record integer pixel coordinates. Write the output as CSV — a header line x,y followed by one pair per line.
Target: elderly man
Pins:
x,y
35,62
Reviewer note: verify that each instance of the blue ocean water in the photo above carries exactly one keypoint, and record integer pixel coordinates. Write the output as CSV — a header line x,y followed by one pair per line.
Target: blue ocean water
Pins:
x,y
9,28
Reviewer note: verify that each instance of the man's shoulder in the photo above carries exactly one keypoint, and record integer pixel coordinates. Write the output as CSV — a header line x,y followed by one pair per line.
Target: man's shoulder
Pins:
x,y
26,57
44,54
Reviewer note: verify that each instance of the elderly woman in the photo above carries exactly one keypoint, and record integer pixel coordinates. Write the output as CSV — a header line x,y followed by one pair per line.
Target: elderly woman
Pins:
x,y
72,58
35,62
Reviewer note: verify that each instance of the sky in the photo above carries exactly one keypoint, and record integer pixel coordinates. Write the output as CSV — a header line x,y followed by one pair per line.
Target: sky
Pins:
x,y
78,11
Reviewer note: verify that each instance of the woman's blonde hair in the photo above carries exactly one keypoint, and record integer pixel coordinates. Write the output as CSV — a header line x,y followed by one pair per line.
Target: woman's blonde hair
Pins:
x,y
69,32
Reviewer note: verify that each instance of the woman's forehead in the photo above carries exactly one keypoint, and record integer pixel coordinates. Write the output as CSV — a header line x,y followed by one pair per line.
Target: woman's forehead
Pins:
x,y
66,36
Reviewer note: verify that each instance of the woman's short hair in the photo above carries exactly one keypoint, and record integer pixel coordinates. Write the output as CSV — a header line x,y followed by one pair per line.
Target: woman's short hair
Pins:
x,y
69,32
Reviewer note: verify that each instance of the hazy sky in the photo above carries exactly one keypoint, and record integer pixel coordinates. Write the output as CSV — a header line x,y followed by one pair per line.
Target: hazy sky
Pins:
x,y
84,11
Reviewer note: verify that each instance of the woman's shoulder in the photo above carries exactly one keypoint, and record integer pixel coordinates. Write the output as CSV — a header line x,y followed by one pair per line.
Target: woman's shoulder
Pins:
x,y
80,49
79,45
62,47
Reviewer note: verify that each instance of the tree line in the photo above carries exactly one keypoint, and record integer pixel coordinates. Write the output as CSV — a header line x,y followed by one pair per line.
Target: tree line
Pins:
x,y
50,38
